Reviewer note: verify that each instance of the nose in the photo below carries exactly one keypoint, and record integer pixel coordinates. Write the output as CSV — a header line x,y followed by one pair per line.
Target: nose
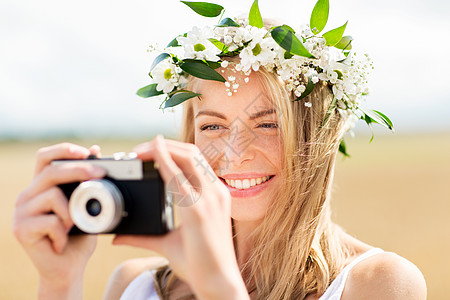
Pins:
x,y
238,144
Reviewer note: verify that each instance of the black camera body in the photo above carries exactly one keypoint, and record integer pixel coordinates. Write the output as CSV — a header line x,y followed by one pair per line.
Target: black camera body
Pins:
x,y
130,199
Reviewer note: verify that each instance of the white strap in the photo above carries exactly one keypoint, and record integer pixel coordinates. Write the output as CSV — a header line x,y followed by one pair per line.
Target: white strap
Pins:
x,y
141,288
334,291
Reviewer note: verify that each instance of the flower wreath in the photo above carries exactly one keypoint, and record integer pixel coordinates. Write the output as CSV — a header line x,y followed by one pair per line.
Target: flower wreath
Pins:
x,y
301,58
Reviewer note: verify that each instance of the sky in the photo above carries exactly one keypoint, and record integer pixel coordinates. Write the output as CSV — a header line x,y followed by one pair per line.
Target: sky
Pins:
x,y
72,68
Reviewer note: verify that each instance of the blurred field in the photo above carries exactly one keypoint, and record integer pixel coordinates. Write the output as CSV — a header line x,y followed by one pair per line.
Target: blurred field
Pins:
x,y
394,194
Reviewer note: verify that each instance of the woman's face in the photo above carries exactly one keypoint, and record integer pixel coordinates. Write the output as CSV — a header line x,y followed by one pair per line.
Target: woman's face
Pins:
x,y
239,137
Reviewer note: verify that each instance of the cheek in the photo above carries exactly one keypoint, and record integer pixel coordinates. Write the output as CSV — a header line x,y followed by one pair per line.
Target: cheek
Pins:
x,y
210,147
271,146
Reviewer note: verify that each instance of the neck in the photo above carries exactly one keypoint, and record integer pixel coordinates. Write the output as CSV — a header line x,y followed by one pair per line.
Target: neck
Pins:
x,y
242,242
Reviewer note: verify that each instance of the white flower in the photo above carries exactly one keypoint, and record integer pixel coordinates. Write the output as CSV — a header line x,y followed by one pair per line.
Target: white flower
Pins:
x,y
197,46
165,74
224,64
242,35
259,51
227,39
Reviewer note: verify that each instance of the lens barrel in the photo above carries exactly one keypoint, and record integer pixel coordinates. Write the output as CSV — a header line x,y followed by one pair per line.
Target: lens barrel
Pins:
x,y
96,206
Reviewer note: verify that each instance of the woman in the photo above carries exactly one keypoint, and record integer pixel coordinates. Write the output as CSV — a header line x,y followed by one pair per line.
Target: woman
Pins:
x,y
259,227
206,253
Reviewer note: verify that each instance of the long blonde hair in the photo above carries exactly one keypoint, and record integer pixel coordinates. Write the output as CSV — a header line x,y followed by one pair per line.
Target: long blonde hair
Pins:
x,y
297,250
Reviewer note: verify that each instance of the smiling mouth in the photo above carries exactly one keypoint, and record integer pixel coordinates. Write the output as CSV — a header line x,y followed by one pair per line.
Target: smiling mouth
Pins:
x,y
243,184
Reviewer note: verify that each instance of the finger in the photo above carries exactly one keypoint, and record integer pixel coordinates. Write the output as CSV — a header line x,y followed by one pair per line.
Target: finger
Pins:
x,y
59,151
166,166
50,201
186,156
95,150
41,227
58,174
145,150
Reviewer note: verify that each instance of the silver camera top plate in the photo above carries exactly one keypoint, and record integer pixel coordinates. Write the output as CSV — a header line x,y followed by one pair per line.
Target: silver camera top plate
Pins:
x,y
129,169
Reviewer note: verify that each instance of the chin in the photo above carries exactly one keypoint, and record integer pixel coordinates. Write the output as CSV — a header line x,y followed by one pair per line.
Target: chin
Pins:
x,y
252,209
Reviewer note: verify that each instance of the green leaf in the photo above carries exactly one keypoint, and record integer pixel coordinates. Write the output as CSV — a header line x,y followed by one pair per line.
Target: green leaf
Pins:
x,y
369,122
345,43
228,22
376,117
335,35
309,88
385,120
288,55
200,70
204,8
254,17
285,37
174,42
179,98
159,59
212,64
319,16
330,110
343,148
286,27
149,91
221,46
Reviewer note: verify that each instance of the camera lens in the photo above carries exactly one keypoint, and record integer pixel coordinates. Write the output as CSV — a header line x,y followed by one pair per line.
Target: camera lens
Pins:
x,y
93,207
97,206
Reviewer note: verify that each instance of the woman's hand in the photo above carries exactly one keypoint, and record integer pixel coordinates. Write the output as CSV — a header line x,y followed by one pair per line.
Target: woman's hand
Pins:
x,y
42,222
200,250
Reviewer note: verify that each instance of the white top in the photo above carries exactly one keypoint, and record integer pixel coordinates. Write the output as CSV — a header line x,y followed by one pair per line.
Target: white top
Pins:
x,y
141,288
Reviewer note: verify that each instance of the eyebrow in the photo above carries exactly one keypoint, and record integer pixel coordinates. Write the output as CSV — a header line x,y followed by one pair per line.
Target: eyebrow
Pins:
x,y
253,116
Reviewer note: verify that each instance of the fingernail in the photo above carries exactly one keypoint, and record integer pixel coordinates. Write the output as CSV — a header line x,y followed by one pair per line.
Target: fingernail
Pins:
x,y
94,148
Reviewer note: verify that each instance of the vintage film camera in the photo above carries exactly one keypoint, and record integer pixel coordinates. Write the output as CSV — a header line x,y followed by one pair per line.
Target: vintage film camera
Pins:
x,y
130,199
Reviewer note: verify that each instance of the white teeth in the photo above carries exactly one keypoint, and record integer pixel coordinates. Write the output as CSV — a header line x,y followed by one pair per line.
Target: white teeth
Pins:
x,y
238,184
246,183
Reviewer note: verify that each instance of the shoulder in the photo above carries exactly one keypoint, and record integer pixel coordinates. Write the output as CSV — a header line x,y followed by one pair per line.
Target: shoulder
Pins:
x,y
385,276
124,274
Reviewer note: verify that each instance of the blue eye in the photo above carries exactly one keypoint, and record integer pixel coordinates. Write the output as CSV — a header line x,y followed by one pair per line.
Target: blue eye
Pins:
x,y
212,127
